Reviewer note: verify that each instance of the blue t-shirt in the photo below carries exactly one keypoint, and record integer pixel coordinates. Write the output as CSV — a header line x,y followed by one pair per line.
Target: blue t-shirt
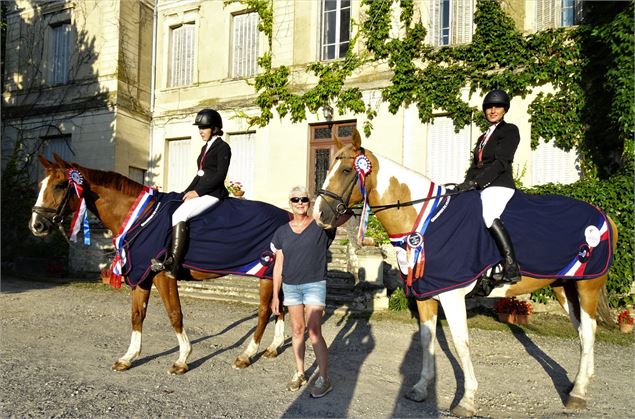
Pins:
x,y
304,254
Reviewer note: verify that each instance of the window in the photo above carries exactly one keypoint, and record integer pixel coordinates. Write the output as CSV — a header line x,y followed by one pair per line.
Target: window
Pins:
x,y
136,174
336,26
557,13
243,165
182,55
60,53
323,149
180,166
451,22
448,152
245,45
550,164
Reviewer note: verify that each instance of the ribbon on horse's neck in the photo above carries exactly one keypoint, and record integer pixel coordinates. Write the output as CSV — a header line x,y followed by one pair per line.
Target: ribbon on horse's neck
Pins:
x,y
363,167
80,217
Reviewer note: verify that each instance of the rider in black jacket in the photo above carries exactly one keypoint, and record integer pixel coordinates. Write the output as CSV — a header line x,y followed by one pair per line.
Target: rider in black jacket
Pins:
x,y
491,173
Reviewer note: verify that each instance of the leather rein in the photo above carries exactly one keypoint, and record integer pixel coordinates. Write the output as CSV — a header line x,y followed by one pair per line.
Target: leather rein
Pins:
x,y
57,218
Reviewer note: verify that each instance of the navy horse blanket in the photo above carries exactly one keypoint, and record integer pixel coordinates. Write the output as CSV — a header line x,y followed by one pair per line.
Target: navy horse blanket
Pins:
x,y
553,236
233,237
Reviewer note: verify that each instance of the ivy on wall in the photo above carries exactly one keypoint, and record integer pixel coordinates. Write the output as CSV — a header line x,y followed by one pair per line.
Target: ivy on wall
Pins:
x,y
589,66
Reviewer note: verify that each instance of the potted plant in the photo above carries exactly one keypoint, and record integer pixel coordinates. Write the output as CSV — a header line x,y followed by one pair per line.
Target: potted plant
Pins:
x,y
625,320
511,310
235,188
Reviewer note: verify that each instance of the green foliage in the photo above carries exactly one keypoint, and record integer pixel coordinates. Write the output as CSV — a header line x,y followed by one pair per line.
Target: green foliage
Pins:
x,y
398,301
375,230
614,197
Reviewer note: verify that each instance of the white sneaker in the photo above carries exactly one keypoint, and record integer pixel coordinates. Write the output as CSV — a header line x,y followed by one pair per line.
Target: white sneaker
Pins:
x,y
297,381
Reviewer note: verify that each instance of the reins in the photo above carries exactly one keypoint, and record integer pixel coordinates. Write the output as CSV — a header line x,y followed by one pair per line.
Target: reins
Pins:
x,y
58,218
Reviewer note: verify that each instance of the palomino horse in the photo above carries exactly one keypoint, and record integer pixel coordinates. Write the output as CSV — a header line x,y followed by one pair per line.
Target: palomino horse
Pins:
x,y
387,186
110,197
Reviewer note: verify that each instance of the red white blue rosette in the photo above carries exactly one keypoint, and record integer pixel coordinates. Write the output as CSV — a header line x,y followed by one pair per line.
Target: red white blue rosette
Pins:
x,y
80,218
363,167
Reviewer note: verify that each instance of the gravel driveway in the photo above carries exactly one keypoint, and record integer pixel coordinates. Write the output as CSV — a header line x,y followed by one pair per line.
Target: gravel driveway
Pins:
x,y
58,343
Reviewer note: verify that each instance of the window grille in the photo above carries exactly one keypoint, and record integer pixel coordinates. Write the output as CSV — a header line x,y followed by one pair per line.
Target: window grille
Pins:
x,y
448,152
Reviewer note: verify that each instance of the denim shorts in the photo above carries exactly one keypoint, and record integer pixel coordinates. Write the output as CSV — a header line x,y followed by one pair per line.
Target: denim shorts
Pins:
x,y
311,294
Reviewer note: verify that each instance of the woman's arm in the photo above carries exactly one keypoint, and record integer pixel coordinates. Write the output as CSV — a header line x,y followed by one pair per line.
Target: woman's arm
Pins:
x,y
277,282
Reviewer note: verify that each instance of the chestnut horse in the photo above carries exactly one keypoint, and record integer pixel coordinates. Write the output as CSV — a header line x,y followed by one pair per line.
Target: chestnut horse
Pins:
x,y
110,199
388,183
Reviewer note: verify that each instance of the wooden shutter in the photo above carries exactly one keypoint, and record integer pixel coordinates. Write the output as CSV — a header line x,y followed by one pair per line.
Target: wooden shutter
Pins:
x,y
245,44
462,21
243,165
182,58
61,37
181,169
448,153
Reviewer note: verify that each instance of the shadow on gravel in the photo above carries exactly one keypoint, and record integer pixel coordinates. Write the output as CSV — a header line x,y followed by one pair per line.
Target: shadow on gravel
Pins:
x,y
197,363
558,375
353,343
10,284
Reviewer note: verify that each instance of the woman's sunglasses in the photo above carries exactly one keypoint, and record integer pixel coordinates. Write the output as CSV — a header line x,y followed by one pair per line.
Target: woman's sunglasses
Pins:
x,y
297,199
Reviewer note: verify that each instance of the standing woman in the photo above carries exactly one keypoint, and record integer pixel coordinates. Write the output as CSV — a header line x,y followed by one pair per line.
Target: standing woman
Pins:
x,y
491,173
300,268
207,187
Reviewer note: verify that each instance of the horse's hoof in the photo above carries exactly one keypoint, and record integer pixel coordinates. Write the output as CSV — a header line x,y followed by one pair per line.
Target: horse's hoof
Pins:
x,y
178,369
463,412
241,363
121,366
269,353
416,395
576,403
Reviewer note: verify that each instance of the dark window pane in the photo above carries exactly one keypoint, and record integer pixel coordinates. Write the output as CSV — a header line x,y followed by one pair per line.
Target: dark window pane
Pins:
x,y
343,49
345,131
330,4
329,27
345,3
322,133
345,25
322,157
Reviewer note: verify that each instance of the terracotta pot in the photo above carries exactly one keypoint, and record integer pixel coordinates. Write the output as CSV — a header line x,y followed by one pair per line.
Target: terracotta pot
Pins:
x,y
626,328
522,318
507,317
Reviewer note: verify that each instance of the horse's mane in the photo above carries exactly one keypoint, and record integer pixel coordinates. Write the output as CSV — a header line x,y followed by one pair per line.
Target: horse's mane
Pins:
x,y
111,180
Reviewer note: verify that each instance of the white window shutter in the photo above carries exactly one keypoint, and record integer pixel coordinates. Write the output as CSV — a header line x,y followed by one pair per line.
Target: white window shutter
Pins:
x,y
553,165
180,167
448,152
243,165
61,36
462,21
182,55
245,45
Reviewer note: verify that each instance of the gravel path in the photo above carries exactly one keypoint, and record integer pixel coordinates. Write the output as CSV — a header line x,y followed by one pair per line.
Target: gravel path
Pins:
x,y
58,343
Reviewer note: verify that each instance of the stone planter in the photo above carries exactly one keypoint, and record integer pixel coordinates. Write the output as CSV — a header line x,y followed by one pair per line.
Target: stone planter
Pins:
x,y
370,261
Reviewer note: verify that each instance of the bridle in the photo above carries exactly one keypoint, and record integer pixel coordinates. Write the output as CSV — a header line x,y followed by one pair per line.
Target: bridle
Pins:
x,y
57,217
342,206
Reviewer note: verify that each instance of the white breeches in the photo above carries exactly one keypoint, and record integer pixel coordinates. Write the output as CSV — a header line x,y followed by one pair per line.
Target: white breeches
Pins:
x,y
494,200
193,207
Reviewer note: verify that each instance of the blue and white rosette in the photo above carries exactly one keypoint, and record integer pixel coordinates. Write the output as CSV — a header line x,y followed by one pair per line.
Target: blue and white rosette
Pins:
x,y
363,167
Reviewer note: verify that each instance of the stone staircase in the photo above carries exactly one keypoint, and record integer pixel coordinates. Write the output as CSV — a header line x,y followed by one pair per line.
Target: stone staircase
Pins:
x,y
345,293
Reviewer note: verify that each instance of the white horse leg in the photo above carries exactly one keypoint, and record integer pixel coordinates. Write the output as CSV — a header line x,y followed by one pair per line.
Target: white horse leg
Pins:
x,y
134,350
244,360
185,349
453,303
427,332
586,330
278,338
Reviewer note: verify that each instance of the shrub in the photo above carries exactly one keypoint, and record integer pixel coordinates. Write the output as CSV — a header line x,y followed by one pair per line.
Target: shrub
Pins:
x,y
398,300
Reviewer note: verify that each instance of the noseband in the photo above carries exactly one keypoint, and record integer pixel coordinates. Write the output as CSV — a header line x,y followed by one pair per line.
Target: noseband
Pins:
x,y
342,201
57,218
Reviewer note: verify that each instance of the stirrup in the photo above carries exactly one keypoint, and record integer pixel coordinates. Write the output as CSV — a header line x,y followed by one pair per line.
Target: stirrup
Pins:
x,y
158,266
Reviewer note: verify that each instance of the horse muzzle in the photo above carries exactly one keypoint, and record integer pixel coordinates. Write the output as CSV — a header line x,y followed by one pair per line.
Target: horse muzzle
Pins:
x,y
40,226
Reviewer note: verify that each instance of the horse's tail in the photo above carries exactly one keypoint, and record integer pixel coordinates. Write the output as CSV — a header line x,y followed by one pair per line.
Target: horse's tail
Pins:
x,y
603,311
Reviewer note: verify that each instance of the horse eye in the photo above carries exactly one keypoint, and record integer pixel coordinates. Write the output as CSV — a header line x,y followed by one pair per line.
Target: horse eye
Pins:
x,y
347,170
62,185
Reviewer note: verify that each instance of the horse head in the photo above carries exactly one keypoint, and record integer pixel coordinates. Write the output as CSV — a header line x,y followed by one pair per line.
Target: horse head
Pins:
x,y
341,188
55,199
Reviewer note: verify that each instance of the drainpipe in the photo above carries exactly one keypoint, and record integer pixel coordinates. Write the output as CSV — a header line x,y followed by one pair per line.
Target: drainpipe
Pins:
x,y
155,16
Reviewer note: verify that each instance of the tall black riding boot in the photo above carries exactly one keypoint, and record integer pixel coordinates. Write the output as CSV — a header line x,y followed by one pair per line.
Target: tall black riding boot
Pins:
x,y
511,272
179,238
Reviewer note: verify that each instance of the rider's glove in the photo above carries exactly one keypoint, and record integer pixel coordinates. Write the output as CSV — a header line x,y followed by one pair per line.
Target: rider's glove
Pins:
x,y
468,185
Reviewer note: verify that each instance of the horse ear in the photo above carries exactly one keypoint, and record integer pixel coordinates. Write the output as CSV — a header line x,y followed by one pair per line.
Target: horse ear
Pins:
x,y
357,140
60,161
338,143
44,162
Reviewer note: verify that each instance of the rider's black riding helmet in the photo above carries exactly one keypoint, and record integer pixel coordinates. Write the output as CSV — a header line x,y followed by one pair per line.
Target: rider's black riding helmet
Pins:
x,y
496,97
208,118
